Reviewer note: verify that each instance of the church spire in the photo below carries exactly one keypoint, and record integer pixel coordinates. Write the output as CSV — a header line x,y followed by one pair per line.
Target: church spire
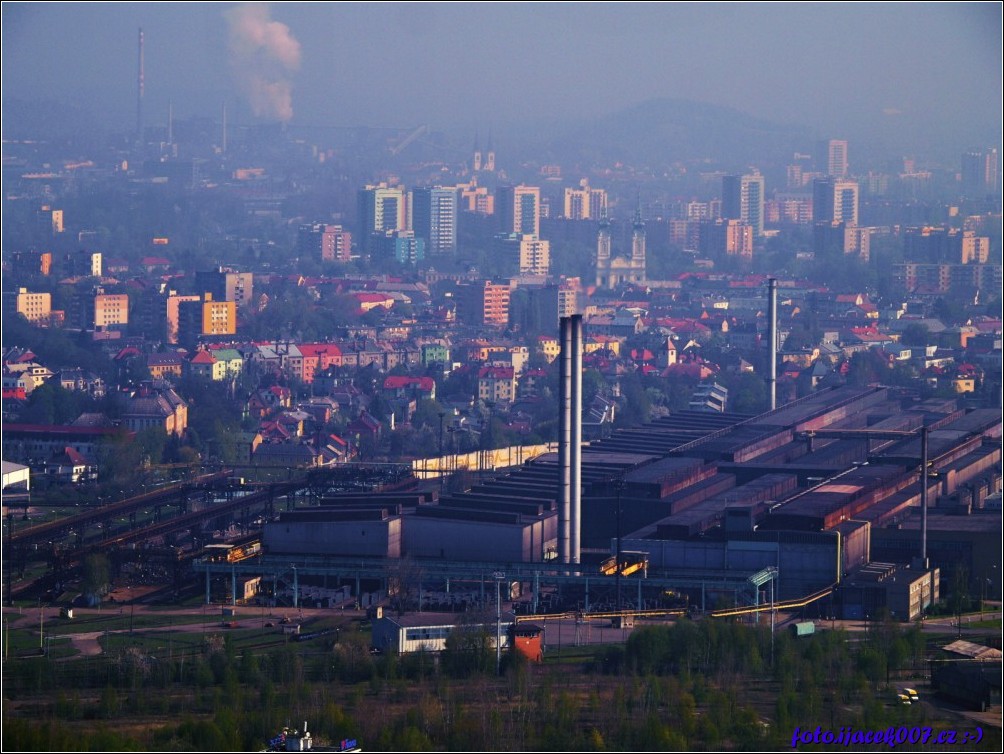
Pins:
x,y
603,279
490,156
638,244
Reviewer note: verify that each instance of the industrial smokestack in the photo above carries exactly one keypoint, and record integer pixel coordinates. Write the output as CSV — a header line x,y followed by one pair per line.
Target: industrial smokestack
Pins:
x,y
772,342
139,91
170,122
575,522
565,440
223,136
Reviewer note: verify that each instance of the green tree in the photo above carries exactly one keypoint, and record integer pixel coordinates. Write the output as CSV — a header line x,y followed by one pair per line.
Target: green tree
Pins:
x,y
152,442
427,414
915,334
636,406
120,460
958,598
50,403
96,575
747,394
469,647
867,368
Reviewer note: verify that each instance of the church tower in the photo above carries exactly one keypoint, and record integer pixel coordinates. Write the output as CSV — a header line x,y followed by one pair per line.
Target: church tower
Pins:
x,y
638,248
615,271
477,153
490,157
603,254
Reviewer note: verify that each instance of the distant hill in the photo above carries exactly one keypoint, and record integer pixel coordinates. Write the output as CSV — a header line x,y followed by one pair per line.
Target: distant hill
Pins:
x,y
663,131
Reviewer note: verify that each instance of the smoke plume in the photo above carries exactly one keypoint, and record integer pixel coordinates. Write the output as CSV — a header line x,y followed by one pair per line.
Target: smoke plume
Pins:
x,y
263,54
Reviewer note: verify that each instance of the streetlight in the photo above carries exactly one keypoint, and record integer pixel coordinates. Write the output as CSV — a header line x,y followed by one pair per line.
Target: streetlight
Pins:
x,y
987,588
617,573
499,576
487,440
442,415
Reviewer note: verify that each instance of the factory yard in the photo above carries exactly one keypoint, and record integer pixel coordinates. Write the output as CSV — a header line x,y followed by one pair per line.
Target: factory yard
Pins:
x,y
384,701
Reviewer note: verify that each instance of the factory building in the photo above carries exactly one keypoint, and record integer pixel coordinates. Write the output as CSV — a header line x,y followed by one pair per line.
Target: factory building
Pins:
x,y
372,533
824,492
468,527
473,535
427,632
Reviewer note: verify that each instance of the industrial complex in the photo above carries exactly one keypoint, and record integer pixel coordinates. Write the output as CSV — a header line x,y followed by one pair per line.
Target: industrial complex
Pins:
x,y
845,503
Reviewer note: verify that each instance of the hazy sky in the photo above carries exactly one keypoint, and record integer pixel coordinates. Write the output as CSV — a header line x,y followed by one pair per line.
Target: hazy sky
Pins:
x,y
840,68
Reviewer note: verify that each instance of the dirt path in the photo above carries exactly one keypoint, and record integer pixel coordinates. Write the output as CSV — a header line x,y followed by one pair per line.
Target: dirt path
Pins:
x,y
87,643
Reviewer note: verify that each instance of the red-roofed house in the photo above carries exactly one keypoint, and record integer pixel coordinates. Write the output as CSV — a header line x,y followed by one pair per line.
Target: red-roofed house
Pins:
x,y
317,357
273,431
402,386
365,427
869,336
641,355
332,448
129,352
19,356
694,369
71,466
369,301
265,400
204,365
849,304
155,264
497,384
690,329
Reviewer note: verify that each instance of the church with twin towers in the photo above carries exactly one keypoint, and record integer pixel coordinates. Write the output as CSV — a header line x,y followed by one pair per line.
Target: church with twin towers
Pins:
x,y
614,271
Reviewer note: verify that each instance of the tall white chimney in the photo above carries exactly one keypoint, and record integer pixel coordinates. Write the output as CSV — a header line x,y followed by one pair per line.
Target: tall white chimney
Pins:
x,y
576,440
565,441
